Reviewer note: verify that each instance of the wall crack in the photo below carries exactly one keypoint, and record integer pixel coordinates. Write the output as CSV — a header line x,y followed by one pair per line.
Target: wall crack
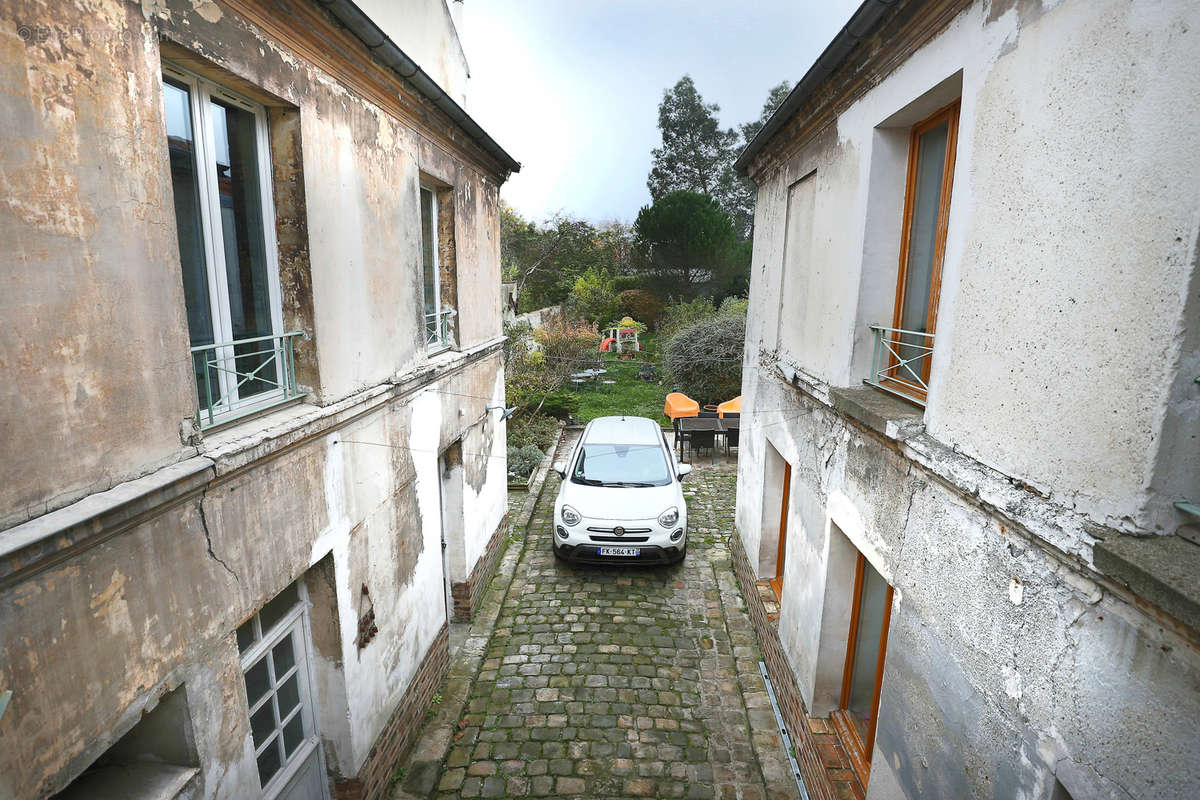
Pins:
x,y
208,538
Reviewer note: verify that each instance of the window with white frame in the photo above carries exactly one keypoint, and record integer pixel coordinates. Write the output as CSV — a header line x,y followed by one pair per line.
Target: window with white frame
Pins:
x,y
220,173
275,647
437,315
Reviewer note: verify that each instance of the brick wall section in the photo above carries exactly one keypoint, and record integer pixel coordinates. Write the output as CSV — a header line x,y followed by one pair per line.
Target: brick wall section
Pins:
x,y
374,780
466,594
795,716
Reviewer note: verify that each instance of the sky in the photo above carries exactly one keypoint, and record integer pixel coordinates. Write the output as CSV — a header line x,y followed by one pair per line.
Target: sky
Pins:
x,y
570,88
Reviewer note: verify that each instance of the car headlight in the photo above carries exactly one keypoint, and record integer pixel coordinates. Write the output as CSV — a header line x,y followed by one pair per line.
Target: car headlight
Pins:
x,y
570,516
669,517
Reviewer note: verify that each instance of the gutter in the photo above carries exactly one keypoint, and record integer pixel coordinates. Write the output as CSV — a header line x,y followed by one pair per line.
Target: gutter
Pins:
x,y
862,23
389,54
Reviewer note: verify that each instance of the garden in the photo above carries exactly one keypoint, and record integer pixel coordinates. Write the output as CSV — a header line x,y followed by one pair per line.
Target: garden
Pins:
x,y
559,373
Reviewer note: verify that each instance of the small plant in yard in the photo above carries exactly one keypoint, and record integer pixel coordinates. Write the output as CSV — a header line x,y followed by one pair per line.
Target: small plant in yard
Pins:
x,y
536,429
522,461
398,775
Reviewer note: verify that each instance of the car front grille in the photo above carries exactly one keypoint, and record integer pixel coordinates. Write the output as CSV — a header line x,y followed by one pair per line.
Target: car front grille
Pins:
x,y
619,539
610,530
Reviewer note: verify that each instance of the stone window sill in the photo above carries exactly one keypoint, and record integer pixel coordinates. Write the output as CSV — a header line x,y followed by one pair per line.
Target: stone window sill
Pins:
x,y
880,411
1162,570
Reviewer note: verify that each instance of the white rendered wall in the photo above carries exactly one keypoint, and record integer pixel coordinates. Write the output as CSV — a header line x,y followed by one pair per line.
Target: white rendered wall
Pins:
x,y
427,32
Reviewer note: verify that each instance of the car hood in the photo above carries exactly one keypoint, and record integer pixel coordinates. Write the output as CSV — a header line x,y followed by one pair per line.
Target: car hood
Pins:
x,y
621,502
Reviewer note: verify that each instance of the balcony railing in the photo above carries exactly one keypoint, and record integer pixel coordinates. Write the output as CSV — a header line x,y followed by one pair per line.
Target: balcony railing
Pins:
x,y
237,378
437,329
900,364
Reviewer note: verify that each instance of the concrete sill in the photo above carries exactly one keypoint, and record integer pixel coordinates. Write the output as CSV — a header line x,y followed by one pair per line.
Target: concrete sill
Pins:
x,y
1163,570
880,411
144,780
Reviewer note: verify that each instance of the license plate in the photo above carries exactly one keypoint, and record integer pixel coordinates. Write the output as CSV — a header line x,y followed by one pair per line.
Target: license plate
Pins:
x,y
619,551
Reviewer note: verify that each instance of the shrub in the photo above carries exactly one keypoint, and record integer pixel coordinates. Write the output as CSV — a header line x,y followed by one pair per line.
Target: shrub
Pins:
x,y
734,306
535,429
679,315
560,405
704,359
641,305
538,362
522,461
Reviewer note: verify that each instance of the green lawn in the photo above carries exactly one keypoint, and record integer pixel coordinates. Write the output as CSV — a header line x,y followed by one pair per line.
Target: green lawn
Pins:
x,y
628,395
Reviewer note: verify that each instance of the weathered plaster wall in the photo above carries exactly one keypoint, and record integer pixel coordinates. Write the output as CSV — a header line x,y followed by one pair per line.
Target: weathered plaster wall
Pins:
x,y
91,640
1064,326
1071,241
158,604
91,393
1018,670
89,218
1078,230
428,32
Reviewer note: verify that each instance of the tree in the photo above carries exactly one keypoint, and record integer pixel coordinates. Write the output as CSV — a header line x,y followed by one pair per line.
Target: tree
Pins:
x,y
545,260
741,191
695,150
688,246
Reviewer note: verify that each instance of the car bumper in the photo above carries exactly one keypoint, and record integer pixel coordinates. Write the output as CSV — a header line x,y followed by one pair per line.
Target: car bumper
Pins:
x,y
650,554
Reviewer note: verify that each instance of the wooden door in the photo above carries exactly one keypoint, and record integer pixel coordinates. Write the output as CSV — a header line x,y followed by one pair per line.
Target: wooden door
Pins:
x,y
777,581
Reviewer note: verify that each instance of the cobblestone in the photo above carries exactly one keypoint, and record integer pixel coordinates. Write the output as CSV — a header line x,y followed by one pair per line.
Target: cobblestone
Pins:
x,y
622,681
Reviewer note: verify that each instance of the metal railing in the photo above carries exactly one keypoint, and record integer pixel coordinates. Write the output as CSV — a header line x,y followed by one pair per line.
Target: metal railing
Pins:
x,y
900,362
244,376
438,335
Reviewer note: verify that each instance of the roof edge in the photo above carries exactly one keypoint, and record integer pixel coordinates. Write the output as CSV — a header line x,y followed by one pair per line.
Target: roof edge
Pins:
x,y
862,23
390,54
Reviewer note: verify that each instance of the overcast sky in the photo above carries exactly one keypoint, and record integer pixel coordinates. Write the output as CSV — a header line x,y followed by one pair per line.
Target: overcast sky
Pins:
x,y
570,88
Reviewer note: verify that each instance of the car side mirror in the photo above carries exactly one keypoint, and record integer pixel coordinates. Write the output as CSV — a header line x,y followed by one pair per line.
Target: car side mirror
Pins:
x,y
683,470
561,468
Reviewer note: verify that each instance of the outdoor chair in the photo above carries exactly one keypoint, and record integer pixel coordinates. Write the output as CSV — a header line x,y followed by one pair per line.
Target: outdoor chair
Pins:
x,y
699,433
731,427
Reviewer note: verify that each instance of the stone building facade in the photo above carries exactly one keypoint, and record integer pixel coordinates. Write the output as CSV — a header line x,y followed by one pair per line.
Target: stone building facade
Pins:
x,y
253,462
970,458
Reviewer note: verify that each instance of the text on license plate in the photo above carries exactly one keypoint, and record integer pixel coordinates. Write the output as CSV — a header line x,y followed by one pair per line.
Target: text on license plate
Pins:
x,y
620,551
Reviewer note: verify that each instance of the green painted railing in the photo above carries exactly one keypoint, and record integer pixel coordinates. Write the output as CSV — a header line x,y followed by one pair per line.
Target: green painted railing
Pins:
x,y
242,377
437,329
899,361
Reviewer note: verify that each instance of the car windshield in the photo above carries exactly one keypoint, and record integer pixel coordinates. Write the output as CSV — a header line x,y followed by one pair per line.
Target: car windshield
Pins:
x,y
621,465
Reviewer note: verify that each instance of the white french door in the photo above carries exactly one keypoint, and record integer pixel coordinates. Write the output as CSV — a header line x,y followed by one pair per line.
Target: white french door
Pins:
x,y
220,170
276,646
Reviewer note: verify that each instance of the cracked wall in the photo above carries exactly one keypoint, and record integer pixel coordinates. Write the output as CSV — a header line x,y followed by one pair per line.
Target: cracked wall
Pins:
x,y
100,365
1009,666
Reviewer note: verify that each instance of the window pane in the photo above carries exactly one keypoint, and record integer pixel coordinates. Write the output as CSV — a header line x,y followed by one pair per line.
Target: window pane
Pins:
x,y
931,160
245,635
262,724
285,657
288,696
293,735
871,607
922,246
258,681
279,605
181,146
243,241
429,263
268,762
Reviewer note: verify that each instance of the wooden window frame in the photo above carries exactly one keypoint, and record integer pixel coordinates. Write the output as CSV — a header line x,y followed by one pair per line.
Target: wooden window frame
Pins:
x,y
777,582
947,114
859,751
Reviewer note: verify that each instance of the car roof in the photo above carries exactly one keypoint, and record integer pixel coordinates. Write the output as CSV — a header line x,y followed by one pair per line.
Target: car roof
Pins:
x,y
622,430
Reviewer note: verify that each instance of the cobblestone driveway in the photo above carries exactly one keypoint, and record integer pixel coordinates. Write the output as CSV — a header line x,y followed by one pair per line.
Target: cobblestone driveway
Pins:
x,y
622,681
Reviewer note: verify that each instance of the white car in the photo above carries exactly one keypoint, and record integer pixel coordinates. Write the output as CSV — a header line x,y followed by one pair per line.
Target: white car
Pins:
x,y
620,498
